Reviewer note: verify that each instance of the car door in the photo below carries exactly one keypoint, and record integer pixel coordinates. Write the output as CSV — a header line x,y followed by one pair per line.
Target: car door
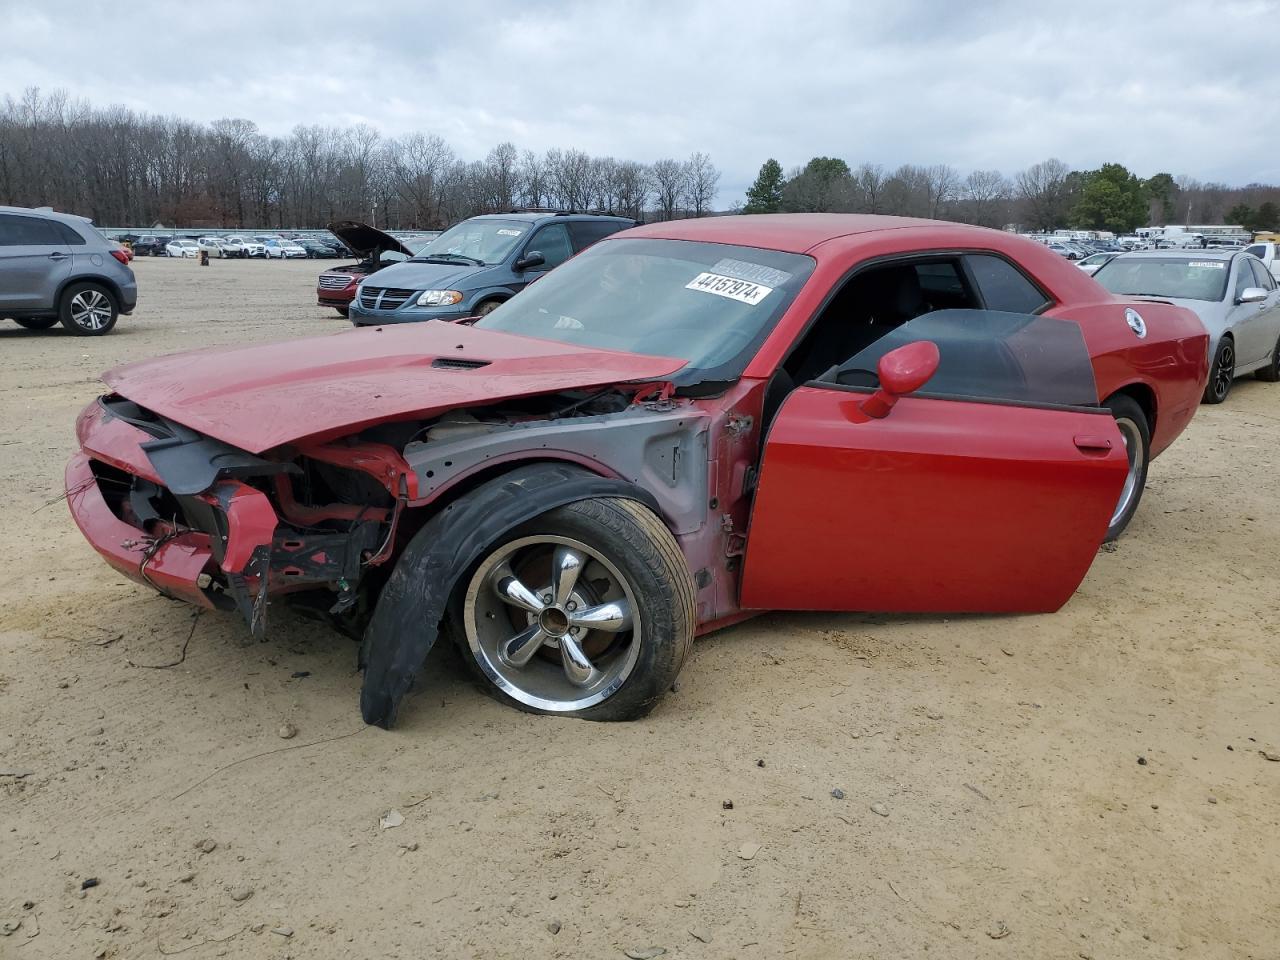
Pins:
x,y
1248,322
1269,320
988,490
34,260
553,242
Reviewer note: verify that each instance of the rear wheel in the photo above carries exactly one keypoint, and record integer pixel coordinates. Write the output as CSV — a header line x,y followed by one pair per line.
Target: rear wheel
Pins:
x,y
36,323
1223,372
587,611
88,310
1136,434
1271,372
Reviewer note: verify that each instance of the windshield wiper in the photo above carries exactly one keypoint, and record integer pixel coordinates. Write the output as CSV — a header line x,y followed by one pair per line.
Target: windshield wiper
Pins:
x,y
447,258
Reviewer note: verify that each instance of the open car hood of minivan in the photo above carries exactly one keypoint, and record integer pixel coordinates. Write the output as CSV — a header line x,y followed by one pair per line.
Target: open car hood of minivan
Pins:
x,y
362,239
319,388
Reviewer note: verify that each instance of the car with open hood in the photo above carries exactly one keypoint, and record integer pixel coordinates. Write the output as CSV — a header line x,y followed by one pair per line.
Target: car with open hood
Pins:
x,y
689,423
336,287
478,264
1234,295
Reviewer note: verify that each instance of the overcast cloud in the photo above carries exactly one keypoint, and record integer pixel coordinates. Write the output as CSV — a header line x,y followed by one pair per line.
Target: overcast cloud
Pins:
x,y
1159,86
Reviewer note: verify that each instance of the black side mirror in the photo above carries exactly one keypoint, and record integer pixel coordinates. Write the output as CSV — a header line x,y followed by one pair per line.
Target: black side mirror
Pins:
x,y
533,258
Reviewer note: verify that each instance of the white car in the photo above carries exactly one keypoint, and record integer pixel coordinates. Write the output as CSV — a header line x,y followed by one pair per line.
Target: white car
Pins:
x,y
1269,254
182,248
284,249
251,247
231,248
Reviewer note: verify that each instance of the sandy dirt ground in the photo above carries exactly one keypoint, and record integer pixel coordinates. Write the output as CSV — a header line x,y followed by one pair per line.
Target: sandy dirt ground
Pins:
x,y
1087,784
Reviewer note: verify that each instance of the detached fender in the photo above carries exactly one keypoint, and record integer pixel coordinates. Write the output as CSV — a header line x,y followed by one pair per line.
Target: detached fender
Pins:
x,y
406,622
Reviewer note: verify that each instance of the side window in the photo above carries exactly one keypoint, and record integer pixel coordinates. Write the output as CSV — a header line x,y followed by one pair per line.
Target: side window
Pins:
x,y
587,232
1003,286
18,231
1262,276
552,241
70,235
1244,277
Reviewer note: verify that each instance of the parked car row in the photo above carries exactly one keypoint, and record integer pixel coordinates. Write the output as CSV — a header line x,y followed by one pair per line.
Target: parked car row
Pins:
x,y
685,424
263,246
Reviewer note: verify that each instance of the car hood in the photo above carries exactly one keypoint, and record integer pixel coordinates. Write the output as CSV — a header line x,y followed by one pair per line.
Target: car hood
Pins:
x,y
362,239
409,275
260,397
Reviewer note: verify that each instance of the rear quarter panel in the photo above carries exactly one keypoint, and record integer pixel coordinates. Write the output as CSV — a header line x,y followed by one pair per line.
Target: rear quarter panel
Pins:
x,y
1171,361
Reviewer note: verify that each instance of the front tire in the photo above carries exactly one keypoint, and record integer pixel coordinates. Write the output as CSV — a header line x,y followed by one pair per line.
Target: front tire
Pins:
x,y
587,611
487,307
1222,373
1136,433
88,310
344,311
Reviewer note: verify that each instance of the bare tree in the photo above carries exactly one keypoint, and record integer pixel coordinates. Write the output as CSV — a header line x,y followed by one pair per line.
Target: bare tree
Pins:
x,y
984,197
1042,190
669,183
702,179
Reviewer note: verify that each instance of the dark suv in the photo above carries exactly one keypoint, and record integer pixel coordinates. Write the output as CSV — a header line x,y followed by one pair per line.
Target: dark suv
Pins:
x,y
477,264
57,267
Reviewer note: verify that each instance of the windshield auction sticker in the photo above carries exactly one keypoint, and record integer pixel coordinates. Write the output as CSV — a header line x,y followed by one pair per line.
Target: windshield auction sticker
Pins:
x,y
1208,264
744,291
507,232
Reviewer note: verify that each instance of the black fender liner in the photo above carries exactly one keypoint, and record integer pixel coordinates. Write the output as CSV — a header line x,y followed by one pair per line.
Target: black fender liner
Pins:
x,y
406,622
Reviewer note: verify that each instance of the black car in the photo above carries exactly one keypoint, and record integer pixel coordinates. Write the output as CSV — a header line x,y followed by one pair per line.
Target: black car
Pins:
x,y
150,246
316,249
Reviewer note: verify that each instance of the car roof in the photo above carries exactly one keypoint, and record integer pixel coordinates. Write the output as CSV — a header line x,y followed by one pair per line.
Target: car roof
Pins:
x,y
46,212
789,232
537,216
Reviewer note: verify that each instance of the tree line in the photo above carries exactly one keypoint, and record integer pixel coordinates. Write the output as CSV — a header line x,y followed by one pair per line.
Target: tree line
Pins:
x,y
1045,196
123,168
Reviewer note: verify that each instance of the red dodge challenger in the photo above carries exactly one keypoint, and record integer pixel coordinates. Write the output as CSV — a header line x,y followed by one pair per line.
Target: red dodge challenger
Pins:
x,y
686,424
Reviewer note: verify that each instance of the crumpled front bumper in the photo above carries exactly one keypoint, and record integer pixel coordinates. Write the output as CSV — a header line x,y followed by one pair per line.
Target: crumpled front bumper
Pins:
x,y
172,567
231,546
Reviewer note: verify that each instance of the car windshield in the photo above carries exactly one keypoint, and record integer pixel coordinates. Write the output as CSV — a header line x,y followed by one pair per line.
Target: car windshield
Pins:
x,y
486,241
1178,278
710,304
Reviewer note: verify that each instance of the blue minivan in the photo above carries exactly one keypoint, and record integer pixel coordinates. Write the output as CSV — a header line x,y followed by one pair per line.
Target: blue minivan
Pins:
x,y
477,264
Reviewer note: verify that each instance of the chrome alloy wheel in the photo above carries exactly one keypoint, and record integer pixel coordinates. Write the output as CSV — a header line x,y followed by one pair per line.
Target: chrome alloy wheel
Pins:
x,y
1133,449
552,623
90,310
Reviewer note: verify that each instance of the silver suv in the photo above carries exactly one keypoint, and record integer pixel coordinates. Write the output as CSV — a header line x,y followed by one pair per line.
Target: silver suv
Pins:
x,y
57,267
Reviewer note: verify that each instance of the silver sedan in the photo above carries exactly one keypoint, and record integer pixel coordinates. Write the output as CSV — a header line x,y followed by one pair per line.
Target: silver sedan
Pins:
x,y
1234,295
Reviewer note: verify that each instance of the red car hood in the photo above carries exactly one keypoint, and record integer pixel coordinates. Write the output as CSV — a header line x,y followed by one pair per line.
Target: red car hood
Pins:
x,y
260,397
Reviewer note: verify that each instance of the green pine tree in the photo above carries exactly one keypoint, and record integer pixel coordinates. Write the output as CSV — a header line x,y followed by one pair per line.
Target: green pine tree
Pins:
x,y
765,195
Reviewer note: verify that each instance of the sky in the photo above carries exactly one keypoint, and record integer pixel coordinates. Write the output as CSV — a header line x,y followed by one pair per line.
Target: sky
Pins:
x,y
1158,85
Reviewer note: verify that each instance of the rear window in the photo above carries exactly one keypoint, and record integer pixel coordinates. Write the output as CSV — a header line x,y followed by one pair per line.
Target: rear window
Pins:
x,y
587,232
1258,250
1003,286
990,355
1184,278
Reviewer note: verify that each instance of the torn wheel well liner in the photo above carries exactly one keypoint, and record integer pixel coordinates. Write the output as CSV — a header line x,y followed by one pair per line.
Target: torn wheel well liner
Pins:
x,y
414,600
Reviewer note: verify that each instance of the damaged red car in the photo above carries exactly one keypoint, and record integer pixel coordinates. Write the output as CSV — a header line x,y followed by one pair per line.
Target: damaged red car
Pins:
x,y
688,423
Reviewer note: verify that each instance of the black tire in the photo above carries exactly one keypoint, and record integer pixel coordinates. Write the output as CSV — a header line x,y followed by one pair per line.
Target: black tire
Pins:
x,y
642,550
36,323
1221,373
1134,429
88,309
488,307
345,311
1271,372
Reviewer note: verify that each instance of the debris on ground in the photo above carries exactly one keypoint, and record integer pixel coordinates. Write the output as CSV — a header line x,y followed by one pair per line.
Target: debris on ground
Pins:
x,y
1269,755
206,845
749,850
241,894
838,793
553,927
726,804
392,818
9,927
999,931
700,933
879,809
644,953
282,931
287,731
89,882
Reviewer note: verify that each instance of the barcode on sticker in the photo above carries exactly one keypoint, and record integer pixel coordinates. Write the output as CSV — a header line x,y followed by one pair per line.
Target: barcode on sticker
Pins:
x,y
744,291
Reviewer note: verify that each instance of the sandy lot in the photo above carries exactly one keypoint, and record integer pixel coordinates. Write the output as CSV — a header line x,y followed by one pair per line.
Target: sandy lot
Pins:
x,y
1005,751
